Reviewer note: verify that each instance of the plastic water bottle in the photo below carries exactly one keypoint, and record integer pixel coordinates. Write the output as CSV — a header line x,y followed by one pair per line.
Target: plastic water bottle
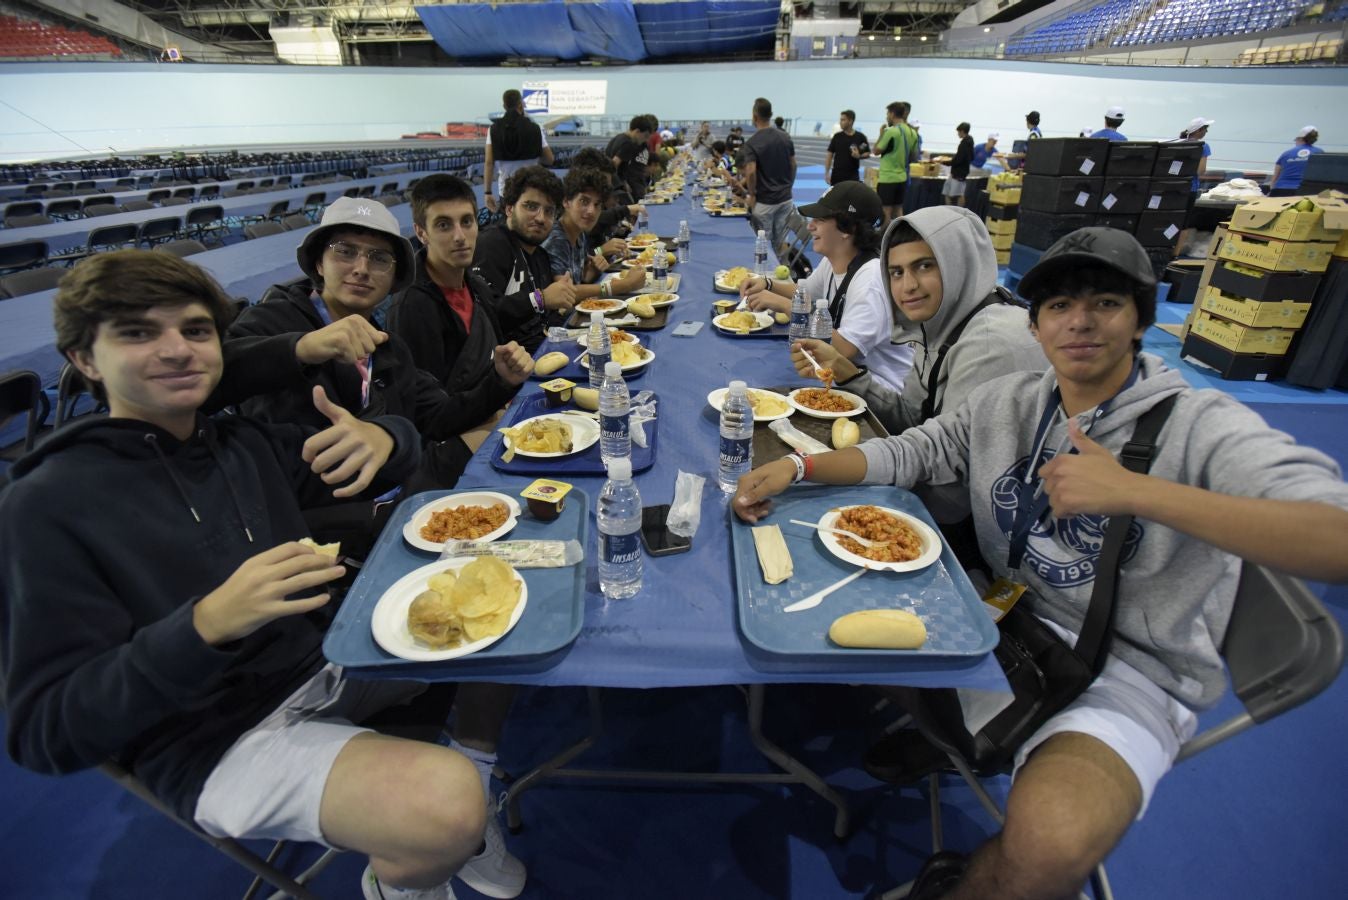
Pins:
x,y
821,323
643,220
618,513
599,348
685,239
799,329
659,266
737,436
614,407
761,254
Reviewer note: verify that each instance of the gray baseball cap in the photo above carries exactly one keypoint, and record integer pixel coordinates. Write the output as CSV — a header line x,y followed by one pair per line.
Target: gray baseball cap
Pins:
x,y
1110,247
347,213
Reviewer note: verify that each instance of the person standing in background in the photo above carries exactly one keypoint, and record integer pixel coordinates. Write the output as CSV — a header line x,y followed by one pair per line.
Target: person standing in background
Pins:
x,y
955,184
1113,119
768,172
1032,123
1291,165
1196,131
513,142
842,159
896,147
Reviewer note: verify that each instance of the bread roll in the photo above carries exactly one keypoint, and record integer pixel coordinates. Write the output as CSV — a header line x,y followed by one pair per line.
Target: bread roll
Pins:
x,y
642,309
551,362
586,398
333,549
781,318
846,433
884,629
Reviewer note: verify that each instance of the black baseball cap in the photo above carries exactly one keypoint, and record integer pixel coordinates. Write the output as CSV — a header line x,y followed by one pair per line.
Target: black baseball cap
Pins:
x,y
1110,247
848,197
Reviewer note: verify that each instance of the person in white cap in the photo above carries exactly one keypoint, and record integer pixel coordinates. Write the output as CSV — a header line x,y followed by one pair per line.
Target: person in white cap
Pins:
x,y
1113,119
1194,132
986,158
1291,165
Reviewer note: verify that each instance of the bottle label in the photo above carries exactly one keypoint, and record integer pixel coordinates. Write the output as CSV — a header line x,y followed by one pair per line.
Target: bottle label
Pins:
x,y
621,548
599,360
613,427
734,452
800,321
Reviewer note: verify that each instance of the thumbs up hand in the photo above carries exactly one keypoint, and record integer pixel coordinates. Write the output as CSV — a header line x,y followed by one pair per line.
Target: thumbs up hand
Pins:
x,y
1089,481
348,448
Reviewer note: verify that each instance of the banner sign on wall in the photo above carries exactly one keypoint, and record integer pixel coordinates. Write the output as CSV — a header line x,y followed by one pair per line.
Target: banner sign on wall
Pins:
x,y
565,97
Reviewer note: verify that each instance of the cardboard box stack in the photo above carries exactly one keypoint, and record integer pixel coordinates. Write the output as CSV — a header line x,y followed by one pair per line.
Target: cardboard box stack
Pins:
x,y
1004,191
1259,283
1138,186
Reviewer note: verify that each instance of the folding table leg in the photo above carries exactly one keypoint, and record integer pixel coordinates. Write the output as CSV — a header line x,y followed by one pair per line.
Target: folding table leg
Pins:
x,y
802,773
536,775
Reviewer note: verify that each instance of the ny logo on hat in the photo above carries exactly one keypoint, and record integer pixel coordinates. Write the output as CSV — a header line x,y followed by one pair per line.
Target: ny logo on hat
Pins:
x,y
851,208
1078,240
364,210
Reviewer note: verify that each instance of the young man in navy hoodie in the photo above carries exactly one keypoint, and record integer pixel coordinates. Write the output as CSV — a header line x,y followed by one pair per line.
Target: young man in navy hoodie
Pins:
x,y
157,608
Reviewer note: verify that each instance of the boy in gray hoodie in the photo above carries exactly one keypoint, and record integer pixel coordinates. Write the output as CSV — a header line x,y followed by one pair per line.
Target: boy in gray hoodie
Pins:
x,y
1223,487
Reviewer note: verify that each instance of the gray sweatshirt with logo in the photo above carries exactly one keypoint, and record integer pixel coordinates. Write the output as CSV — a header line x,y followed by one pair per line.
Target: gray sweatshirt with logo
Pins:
x,y
1175,593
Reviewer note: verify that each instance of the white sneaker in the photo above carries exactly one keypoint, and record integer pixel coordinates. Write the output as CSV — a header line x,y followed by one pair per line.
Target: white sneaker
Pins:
x,y
494,871
374,889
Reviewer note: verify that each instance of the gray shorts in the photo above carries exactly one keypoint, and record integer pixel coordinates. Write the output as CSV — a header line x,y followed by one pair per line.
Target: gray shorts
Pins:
x,y
953,187
269,784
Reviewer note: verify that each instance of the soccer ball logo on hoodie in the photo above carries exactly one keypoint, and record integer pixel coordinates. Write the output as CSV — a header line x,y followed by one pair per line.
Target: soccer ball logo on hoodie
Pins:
x,y
1062,552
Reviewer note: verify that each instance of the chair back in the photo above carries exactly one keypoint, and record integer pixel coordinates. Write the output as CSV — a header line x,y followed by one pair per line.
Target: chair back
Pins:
x,y
30,281
296,220
112,236
100,209
28,221
21,393
181,248
23,208
22,254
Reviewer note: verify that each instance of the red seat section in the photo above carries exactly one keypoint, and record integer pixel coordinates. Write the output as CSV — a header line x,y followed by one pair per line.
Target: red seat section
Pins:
x,y
28,38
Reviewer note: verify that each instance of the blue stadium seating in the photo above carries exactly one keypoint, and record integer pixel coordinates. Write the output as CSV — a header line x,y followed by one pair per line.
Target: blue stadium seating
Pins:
x,y
1079,30
1192,20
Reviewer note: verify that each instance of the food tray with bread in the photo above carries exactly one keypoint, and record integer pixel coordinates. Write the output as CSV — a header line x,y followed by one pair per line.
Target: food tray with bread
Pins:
x,y
671,284
560,464
548,619
952,616
743,323
768,446
571,351
648,318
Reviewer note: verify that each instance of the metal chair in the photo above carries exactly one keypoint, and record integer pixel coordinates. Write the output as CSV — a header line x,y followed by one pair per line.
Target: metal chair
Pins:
x,y
189,192
175,201
157,231
266,182
112,237
28,221
181,248
21,394
101,209
71,386
137,205
244,185
157,196
65,209
82,185
314,203
29,281
296,220
262,229
23,208
99,200
205,221
22,255
1282,647
208,192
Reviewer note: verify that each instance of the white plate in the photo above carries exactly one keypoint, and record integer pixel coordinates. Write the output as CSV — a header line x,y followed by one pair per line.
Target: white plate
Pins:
x,y
931,542
584,339
669,300
717,397
670,255
764,320
608,311
723,286
412,530
388,622
584,435
858,403
629,367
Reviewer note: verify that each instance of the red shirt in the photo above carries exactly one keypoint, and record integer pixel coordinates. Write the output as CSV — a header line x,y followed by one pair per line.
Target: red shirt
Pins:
x,y
461,301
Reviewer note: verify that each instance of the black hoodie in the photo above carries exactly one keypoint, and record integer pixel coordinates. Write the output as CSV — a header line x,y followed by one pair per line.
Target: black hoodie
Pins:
x,y
112,530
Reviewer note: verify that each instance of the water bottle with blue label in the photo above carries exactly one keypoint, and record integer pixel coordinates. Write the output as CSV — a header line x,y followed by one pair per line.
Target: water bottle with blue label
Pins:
x,y
685,239
615,405
599,349
821,323
799,329
659,266
761,249
737,436
618,514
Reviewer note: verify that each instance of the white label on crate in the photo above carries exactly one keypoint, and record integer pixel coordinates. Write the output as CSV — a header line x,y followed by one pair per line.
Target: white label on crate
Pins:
x,y
1170,233
1175,166
1154,202
1108,202
1086,166
1083,198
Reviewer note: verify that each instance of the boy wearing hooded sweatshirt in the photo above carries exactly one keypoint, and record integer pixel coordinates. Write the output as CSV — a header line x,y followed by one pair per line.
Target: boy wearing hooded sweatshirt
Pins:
x,y
157,608
1089,771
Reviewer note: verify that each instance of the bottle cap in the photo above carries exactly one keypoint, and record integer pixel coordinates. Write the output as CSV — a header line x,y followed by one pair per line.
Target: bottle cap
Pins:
x,y
597,317
619,468
821,303
612,369
738,385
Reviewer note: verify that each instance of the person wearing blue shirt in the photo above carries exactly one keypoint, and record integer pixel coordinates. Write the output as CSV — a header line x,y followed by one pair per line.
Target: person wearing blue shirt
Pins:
x,y
986,156
1291,166
1032,123
1113,119
1195,132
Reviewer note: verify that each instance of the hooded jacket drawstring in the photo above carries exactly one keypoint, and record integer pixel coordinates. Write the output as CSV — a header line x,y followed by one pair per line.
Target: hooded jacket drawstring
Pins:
x,y
233,495
153,441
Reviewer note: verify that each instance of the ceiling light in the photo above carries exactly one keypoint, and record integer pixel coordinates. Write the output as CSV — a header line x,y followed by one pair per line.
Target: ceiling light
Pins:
x,y
924,37
986,29
870,37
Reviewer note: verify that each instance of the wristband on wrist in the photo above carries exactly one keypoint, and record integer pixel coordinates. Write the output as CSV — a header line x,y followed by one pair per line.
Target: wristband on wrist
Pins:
x,y
605,289
767,284
537,297
808,461
799,460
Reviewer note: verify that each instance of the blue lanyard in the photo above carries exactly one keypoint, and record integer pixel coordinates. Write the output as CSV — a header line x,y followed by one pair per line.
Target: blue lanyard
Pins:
x,y
366,367
1032,504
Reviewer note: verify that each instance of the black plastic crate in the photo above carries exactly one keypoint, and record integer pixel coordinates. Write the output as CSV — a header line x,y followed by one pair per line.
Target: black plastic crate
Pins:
x,y
1002,213
1168,193
1062,194
1126,223
1124,195
1178,159
1041,230
1159,227
1130,158
1325,171
1160,258
1298,286
1066,156
1183,278
1234,366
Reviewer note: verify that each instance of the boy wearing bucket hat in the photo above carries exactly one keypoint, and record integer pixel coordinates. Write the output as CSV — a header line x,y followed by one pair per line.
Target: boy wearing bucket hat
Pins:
x,y
1037,454
328,331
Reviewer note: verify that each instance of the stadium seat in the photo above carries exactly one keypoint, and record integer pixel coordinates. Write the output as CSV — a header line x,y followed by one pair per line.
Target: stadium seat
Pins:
x,y
22,255
262,229
181,248
30,281
28,221
158,231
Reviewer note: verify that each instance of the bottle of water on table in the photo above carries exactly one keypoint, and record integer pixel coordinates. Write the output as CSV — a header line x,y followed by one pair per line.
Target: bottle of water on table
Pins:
x,y
821,323
599,348
799,329
643,220
659,266
685,239
615,405
619,518
737,436
761,249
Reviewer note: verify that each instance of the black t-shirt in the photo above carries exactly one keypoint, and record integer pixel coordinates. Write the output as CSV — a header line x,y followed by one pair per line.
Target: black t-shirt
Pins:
x,y
773,151
514,137
845,166
633,155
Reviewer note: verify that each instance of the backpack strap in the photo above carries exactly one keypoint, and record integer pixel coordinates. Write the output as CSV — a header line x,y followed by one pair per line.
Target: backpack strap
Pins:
x,y
930,407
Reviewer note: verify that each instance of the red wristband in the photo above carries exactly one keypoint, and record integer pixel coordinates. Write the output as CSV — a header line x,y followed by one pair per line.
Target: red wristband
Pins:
x,y
809,465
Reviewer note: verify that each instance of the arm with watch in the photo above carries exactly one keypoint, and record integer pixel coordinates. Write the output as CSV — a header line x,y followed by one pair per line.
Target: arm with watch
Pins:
x,y
763,292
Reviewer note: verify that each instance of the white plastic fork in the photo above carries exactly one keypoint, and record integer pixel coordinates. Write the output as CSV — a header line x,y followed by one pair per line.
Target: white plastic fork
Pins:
x,y
818,369
818,596
865,542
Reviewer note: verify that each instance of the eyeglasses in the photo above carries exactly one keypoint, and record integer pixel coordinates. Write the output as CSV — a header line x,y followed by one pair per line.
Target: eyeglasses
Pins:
x,y
380,261
534,209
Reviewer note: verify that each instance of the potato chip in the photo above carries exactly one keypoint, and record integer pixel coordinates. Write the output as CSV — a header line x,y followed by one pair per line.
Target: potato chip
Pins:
x,y
486,586
538,436
487,626
443,583
765,404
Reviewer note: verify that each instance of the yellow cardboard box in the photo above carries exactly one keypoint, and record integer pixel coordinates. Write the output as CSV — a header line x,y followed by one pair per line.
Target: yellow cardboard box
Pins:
x,y
1003,257
1277,217
871,175
1005,197
1265,314
1276,255
1002,241
924,170
1241,338
1001,226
